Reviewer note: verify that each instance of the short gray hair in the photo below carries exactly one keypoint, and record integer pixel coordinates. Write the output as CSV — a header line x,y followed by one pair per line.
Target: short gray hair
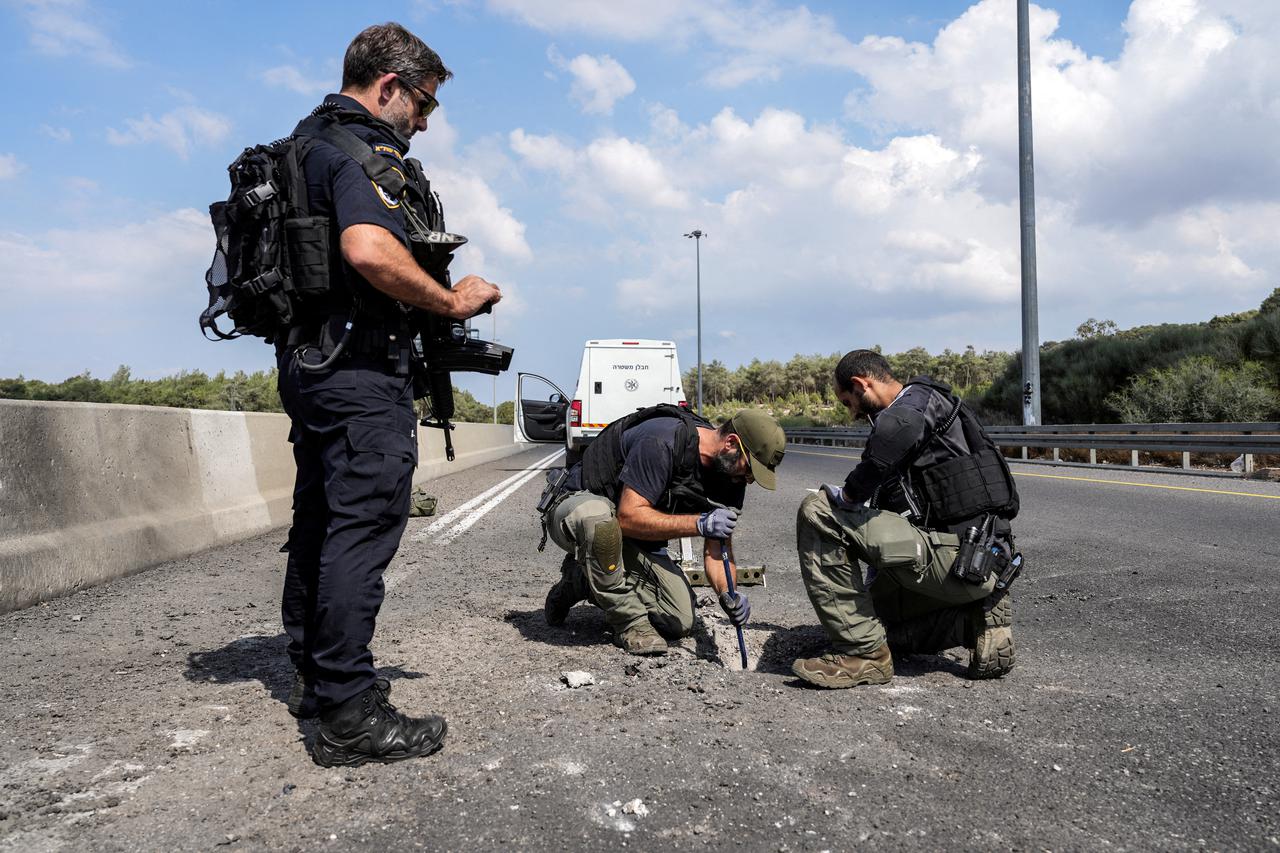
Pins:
x,y
389,47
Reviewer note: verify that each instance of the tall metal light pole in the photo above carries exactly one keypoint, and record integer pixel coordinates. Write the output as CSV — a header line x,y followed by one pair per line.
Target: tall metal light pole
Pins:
x,y
1027,207
697,250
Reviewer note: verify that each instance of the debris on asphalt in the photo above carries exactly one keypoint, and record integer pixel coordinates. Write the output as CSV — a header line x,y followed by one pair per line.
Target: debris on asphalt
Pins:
x,y
577,678
636,807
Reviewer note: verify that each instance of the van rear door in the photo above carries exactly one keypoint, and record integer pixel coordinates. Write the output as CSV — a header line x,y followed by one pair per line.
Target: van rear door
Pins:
x,y
627,377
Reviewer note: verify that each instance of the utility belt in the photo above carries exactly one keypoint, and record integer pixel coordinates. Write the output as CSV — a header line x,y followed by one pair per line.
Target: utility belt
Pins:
x,y
985,551
339,336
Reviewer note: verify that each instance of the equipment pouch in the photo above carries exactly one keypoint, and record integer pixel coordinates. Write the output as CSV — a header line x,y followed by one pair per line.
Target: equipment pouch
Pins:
x,y
308,241
902,550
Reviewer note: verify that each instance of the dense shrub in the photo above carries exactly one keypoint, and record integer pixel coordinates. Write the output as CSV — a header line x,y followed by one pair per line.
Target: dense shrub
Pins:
x,y
1198,390
1078,377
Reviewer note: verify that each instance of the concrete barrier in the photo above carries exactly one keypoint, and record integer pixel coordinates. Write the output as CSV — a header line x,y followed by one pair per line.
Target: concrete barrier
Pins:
x,y
91,492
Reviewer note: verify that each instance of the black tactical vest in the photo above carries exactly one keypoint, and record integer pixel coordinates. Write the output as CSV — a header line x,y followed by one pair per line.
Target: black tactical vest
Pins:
x,y
957,490
603,460
348,290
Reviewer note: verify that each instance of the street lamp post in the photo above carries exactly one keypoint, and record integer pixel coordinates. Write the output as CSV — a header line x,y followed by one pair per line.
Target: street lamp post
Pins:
x,y
697,244
1027,211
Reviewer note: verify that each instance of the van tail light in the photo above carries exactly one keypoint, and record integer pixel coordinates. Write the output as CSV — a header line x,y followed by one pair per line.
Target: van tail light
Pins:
x,y
575,413
684,404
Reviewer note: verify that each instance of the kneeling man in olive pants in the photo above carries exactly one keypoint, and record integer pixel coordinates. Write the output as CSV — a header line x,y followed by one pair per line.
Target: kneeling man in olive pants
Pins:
x,y
928,473
653,475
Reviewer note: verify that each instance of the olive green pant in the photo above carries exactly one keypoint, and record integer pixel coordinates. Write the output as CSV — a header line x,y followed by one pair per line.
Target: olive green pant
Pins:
x,y
628,584
911,570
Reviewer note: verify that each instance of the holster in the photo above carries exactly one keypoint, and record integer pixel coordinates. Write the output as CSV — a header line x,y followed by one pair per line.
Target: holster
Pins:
x,y
552,494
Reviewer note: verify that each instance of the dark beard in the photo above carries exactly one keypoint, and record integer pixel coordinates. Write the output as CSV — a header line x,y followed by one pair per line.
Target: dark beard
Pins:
x,y
725,464
869,407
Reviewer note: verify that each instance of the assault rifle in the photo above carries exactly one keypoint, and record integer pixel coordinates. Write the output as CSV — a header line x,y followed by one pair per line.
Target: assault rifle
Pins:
x,y
443,345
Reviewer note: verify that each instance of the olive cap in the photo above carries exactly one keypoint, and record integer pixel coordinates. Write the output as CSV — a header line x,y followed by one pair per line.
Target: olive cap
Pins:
x,y
764,442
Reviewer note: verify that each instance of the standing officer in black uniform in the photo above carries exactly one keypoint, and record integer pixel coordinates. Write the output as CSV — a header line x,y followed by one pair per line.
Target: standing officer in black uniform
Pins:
x,y
354,430
929,476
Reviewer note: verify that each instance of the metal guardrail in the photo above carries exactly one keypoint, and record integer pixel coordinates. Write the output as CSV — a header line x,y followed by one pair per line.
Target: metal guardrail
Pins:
x,y
1242,439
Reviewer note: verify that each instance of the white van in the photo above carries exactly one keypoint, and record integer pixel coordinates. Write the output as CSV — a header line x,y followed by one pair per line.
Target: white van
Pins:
x,y
617,377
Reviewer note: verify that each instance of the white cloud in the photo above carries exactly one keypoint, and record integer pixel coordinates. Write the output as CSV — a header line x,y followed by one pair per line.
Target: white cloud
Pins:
x,y
543,152
831,240
9,166
473,209
180,129
465,177
1158,192
743,43
165,254
292,78
630,169
607,166
64,28
632,21
599,82
1184,115
57,134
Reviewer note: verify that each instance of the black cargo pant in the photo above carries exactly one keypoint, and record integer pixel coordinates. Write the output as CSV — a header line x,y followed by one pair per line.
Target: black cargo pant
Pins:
x,y
354,440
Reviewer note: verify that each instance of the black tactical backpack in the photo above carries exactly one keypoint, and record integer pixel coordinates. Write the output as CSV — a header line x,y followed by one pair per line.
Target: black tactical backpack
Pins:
x,y
271,257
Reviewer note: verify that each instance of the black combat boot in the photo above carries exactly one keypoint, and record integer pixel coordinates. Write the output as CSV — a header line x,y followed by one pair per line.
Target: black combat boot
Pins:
x,y
302,698
566,592
367,727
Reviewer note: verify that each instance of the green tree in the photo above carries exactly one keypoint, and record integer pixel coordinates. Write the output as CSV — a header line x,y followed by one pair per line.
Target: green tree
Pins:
x,y
1092,328
1271,304
14,389
467,409
914,362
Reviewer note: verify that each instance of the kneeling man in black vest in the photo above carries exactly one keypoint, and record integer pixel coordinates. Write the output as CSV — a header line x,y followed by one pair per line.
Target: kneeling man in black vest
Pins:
x,y
657,474
927,510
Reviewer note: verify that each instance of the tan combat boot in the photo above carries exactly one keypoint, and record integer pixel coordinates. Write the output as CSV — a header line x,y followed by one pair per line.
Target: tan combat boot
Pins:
x,y
838,671
641,639
991,651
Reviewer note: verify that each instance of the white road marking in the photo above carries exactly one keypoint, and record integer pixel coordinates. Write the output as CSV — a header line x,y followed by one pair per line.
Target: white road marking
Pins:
x,y
480,512
477,507
449,517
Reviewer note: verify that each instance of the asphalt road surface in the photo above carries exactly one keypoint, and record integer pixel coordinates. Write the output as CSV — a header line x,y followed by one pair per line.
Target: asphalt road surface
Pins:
x,y
148,714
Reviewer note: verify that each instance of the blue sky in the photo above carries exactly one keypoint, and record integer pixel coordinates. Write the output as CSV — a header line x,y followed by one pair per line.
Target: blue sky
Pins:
x,y
854,165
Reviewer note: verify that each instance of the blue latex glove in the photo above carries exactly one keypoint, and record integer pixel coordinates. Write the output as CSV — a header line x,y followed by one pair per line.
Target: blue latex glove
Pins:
x,y
718,524
736,607
835,495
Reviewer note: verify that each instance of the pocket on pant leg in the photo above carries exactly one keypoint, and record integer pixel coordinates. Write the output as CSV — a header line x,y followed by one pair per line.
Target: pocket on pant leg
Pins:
x,y
379,472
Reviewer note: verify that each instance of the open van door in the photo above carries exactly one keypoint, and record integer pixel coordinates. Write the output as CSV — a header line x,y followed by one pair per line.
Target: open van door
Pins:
x,y
542,409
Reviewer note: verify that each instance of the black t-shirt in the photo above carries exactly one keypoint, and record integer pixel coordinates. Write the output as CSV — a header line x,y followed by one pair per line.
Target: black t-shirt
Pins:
x,y
648,462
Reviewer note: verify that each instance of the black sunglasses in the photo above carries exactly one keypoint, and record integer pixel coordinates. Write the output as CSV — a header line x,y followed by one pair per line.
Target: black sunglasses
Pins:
x,y
428,104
